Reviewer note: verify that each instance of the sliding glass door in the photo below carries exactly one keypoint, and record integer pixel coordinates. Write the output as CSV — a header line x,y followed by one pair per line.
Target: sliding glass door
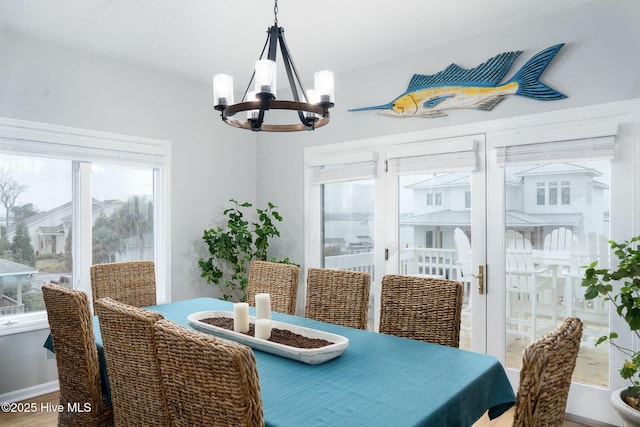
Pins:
x,y
523,204
436,199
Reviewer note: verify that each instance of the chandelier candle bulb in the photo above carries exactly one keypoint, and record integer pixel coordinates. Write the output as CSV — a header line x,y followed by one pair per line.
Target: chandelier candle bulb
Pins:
x,y
265,76
312,98
222,90
263,329
252,114
241,317
323,83
263,306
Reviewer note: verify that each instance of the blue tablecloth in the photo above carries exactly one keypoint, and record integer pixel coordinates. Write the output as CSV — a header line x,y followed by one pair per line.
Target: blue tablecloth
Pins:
x,y
380,380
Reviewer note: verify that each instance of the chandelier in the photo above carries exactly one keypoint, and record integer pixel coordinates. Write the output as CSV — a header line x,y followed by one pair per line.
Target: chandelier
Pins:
x,y
312,106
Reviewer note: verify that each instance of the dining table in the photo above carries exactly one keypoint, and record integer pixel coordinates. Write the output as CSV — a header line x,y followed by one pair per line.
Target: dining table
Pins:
x,y
379,379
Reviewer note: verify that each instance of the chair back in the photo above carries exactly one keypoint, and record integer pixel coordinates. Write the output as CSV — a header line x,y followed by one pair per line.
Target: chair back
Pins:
x,y
463,247
521,269
76,356
128,340
207,380
279,280
587,248
545,377
421,308
338,296
132,283
516,240
560,239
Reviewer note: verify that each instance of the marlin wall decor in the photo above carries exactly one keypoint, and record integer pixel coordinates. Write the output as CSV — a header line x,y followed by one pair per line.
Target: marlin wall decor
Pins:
x,y
478,88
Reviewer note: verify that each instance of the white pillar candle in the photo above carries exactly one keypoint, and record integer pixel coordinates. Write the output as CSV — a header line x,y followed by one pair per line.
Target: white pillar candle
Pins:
x,y
263,329
263,306
241,317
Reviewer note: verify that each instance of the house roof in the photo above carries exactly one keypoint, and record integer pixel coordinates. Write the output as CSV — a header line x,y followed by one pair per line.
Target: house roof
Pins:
x,y
34,219
10,268
514,175
453,218
557,168
444,179
56,229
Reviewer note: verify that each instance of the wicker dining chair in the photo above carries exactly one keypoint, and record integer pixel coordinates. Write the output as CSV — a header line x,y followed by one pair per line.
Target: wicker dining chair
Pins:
x,y
279,280
421,308
132,282
338,296
207,380
76,357
137,393
545,377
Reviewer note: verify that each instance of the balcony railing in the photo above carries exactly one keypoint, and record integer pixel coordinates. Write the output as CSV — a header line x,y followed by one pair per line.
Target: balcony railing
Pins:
x,y
413,261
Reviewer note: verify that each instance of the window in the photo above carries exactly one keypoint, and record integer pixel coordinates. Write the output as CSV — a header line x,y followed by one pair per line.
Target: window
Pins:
x,y
553,193
540,193
428,239
566,192
83,202
429,199
467,199
438,199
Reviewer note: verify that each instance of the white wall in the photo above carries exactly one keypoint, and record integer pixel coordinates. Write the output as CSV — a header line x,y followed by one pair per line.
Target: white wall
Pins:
x,y
598,64
212,162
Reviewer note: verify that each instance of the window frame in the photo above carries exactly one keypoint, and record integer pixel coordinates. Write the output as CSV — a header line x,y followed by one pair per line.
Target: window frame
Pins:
x,y
82,147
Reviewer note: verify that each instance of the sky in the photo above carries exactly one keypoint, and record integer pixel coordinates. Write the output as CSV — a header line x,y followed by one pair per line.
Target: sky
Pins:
x,y
48,182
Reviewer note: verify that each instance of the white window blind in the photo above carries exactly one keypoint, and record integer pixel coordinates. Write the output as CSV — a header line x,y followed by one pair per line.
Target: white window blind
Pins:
x,y
352,167
558,151
96,150
433,157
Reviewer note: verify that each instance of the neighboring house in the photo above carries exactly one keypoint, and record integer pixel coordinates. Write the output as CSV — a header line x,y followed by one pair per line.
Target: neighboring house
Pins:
x,y
539,199
49,230
13,273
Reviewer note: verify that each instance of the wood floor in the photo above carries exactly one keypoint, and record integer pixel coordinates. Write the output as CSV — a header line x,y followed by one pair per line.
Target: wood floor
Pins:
x,y
49,419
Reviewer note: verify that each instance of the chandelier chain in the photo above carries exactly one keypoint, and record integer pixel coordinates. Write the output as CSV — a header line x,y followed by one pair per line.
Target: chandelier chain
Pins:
x,y
275,12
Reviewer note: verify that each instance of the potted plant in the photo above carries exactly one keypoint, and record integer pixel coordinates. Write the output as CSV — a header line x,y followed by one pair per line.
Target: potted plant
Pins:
x,y
232,249
625,297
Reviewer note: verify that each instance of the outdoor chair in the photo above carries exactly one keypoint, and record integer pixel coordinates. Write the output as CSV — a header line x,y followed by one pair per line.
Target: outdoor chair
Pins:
x,y
207,380
132,283
279,280
128,339
528,285
76,357
338,296
560,239
421,308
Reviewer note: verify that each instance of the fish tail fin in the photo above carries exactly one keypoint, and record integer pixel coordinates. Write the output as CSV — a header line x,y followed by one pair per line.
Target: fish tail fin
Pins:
x,y
528,76
374,107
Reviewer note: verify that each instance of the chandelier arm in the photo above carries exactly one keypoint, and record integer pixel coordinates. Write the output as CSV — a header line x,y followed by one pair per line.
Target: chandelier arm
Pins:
x,y
273,42
309,122
290,66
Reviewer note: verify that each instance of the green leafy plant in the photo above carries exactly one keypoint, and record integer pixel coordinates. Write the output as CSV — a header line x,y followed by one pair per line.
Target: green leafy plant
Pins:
x,y
599,283
231,249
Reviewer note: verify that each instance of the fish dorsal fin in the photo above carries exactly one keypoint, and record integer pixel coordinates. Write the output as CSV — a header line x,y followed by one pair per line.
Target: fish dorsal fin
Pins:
x,y
490,72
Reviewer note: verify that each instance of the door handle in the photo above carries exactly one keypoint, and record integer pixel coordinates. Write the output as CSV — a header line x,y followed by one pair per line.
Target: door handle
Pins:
x,y
480,277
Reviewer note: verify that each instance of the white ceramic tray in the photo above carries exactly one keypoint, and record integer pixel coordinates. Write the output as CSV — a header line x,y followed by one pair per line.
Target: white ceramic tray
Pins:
x,y
312,356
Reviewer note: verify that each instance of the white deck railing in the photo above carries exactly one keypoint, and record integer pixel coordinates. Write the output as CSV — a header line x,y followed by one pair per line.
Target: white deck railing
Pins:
x,y
413,261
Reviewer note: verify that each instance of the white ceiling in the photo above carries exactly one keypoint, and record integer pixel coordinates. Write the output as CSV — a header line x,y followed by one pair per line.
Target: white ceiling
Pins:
x,y
199,38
